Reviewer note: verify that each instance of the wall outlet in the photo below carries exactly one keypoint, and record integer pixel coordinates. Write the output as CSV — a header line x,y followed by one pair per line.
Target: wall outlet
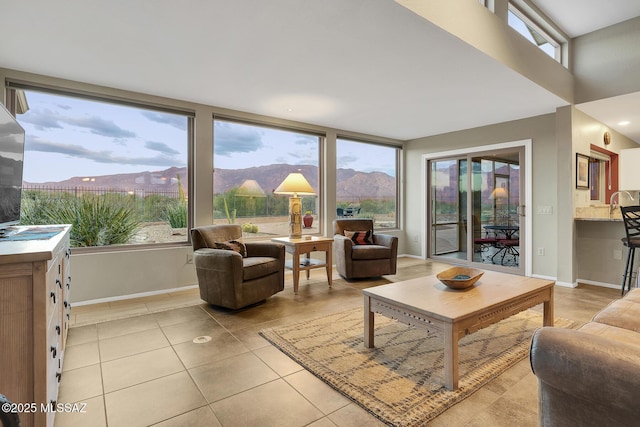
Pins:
x,y
189,258
541,251
544,210
415,239
617,254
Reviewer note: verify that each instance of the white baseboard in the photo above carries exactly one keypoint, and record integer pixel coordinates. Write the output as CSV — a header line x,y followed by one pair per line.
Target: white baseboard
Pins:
x,y
540,276
410,256
132,296
603,284
567,284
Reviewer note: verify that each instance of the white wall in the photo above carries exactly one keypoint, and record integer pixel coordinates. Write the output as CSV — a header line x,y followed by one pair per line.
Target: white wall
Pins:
x,y
606,62
118,274
541,130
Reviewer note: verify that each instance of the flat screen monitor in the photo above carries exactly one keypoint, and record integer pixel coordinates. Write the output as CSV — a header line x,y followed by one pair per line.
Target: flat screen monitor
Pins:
x,y
11,161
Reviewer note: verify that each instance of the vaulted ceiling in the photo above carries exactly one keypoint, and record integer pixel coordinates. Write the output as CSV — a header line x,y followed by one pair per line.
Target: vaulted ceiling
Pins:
x,y
369,66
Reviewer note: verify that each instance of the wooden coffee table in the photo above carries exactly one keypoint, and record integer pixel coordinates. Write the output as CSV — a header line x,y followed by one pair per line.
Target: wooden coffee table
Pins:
x,y
428,304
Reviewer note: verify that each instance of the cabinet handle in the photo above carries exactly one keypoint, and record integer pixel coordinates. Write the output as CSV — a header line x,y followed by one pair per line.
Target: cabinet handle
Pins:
x,y
58,376
58,329
53,296
54,352
66,304
59,283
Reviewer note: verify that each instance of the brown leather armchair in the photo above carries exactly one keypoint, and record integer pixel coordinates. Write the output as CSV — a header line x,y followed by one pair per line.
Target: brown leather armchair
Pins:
x,y
227,278
363,260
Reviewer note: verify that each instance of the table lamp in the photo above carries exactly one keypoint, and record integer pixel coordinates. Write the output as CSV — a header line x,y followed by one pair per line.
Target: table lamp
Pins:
x,y
295,184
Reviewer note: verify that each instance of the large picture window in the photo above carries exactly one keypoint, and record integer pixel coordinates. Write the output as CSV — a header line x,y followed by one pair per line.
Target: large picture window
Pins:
x,y
366,182
249,162
118,173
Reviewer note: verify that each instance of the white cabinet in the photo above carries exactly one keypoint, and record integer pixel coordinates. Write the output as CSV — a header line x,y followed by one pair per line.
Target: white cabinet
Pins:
x,y
35,281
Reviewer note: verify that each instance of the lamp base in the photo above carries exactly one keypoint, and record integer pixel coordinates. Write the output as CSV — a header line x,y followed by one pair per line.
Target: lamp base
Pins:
x,y
295,217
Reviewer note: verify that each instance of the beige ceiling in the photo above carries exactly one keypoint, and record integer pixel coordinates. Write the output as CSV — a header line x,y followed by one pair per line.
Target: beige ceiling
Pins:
x,y
367,66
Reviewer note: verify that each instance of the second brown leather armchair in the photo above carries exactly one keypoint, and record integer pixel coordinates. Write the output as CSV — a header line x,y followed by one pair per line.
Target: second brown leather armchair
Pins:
x,y
363,260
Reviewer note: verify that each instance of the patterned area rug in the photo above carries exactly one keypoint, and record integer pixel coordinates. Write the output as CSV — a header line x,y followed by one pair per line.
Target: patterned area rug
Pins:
x,y
400,380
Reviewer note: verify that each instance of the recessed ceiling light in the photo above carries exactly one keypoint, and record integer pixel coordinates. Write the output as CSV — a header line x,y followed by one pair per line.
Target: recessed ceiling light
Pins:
x,y
624,122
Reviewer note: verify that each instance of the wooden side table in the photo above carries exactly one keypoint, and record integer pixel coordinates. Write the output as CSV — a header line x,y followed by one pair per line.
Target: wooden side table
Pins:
x,y
296,247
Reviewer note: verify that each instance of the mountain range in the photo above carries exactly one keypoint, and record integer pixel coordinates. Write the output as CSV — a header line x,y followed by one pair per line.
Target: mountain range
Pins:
x,y
351,184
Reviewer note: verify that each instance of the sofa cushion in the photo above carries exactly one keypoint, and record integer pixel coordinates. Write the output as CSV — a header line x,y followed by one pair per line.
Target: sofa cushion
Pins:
x,y
621,313
633,295
611,332
370,252
360,237
258,266
232,245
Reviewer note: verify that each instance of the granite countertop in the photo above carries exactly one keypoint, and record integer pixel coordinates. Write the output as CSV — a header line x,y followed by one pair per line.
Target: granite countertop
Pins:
x,y
599,219
600,213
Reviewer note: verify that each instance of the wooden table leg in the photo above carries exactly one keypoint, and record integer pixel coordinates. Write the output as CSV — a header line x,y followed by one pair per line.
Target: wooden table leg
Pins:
x,y
547,319
450,357
368,323
329,265
296,270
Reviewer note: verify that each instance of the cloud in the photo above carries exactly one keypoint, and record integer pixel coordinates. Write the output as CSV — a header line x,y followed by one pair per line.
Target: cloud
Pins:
x,y
161,147
44,119
306,140
99,126
345,161
175,120
104,156
228,140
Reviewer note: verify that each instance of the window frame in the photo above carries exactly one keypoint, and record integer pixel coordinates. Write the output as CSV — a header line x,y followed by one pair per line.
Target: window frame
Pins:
x,y
398,156
320,197
13,90
544,26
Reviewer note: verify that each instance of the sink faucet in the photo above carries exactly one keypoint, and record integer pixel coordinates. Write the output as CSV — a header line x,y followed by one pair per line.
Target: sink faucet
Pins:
x,y
612,206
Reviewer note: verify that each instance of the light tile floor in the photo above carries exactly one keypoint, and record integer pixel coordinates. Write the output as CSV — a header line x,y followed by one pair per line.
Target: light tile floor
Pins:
x,y
135,362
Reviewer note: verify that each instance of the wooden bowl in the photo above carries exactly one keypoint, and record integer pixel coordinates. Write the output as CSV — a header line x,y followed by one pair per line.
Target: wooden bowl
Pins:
x,y
460,277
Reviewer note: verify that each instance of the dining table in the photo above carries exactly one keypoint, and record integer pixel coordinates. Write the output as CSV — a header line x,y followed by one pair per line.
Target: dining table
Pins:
x,y
506,241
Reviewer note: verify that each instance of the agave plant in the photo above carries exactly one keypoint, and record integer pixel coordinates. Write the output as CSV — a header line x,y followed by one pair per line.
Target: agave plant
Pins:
x,y
96,221
177,215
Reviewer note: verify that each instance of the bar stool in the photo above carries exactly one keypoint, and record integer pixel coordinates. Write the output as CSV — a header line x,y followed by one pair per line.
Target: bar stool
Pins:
x,y
631,218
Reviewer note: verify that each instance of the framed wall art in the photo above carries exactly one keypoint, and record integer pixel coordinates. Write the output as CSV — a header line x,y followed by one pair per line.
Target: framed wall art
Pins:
x,y
582,171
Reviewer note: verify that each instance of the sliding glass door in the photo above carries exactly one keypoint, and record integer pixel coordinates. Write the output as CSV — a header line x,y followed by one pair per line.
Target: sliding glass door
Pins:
x,y
475,209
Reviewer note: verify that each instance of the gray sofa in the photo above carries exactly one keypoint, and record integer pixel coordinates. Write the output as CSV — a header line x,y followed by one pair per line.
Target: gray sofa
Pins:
x,y
232,279
591,376
359,261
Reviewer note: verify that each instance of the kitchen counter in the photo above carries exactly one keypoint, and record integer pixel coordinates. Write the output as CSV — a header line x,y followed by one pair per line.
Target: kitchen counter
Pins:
x,y
599,219
598,213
